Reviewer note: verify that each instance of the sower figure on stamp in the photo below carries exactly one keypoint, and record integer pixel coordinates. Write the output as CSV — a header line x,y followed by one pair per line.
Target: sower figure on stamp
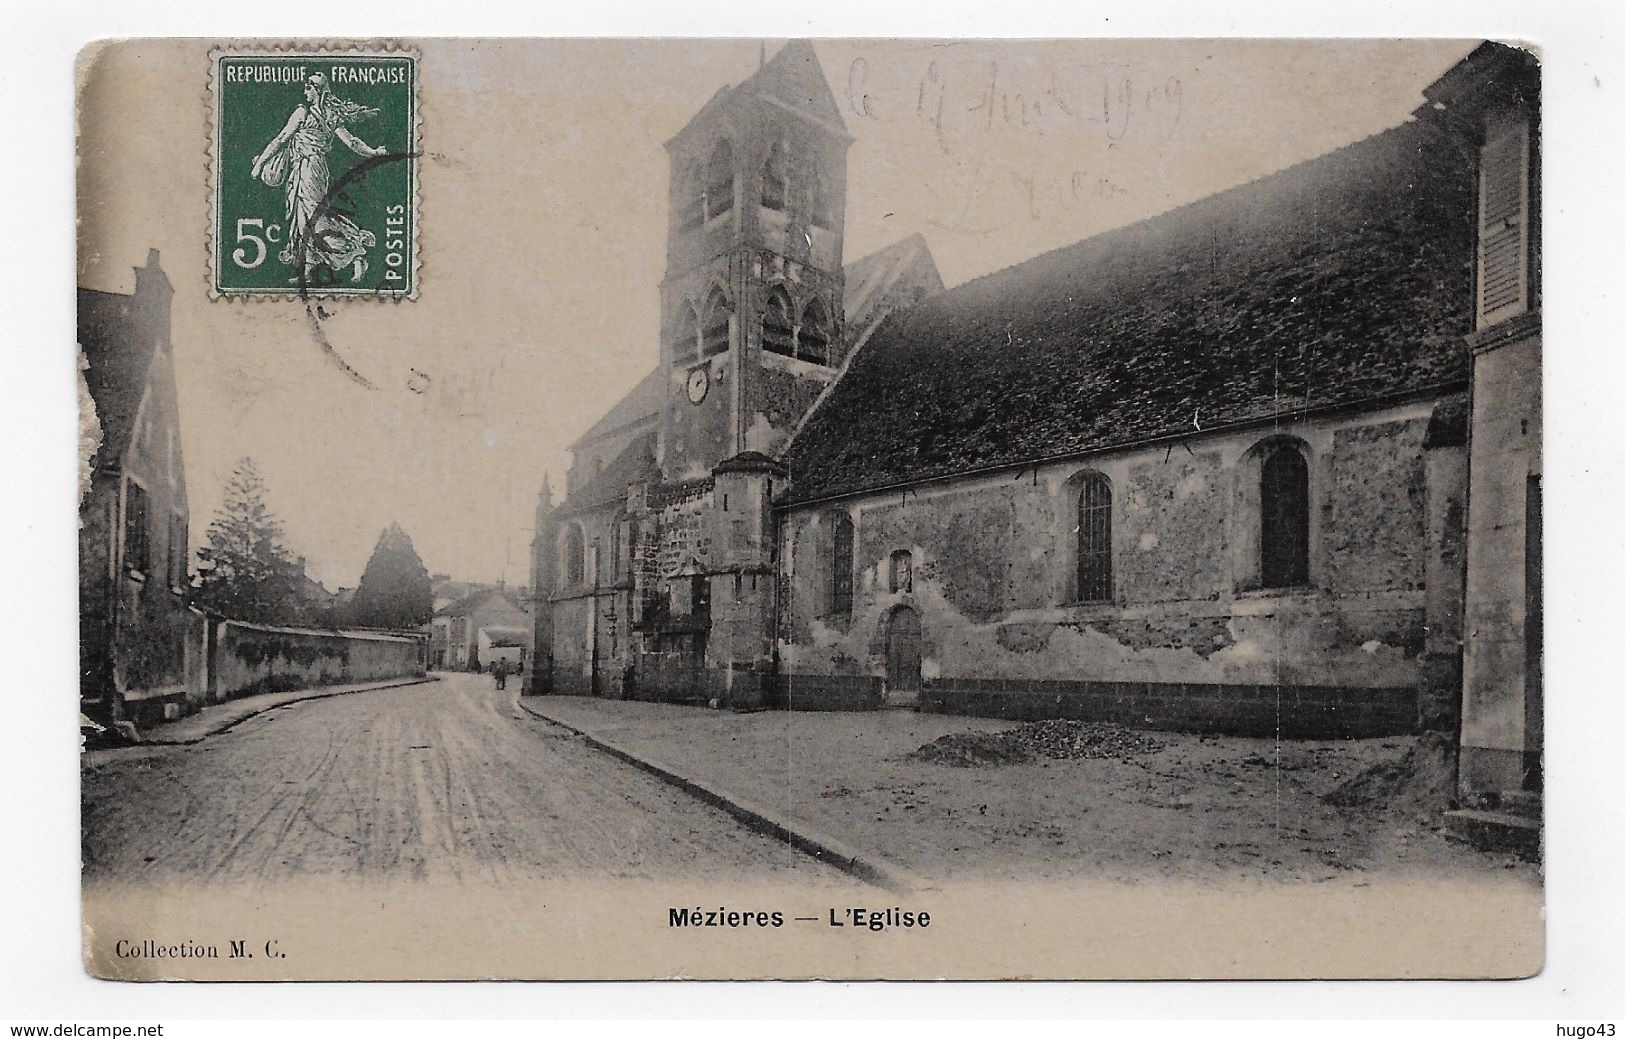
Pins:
x,y
296,159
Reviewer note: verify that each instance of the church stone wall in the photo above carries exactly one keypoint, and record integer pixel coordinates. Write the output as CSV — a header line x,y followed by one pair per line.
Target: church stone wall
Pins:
x,y
1187,640
1172,544
571,674
1378,496
578,609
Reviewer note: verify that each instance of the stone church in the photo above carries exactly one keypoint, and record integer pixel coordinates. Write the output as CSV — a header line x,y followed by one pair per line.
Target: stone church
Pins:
x,y
1208,471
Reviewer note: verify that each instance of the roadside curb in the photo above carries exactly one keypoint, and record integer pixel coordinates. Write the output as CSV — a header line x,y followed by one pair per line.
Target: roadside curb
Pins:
x,y
227,724
825,849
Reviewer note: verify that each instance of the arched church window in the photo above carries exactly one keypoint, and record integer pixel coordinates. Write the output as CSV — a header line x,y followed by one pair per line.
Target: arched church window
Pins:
x,y
839,603
685,343
778,329
574,552
719,181
815,334
1094,538
776,179
1283,501
691,199
714,331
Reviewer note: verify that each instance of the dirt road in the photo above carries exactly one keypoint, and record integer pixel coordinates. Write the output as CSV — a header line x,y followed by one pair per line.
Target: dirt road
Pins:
x,y
445,781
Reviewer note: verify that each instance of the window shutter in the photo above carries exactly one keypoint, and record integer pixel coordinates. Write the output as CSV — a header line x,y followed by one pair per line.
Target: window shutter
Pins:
x,y
1503,213
715,336
778,335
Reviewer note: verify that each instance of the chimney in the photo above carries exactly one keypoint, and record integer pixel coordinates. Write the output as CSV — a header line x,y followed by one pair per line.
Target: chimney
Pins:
x,y
152,296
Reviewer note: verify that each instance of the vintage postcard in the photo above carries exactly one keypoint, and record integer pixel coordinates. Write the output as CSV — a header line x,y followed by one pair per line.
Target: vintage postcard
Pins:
x,y
836,508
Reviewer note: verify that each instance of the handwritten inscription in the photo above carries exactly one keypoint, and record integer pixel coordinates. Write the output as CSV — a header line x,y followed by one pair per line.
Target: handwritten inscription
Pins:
x,y
1023,139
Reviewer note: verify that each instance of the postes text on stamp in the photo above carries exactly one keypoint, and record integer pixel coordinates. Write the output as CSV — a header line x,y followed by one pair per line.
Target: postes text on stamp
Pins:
x,y
314,176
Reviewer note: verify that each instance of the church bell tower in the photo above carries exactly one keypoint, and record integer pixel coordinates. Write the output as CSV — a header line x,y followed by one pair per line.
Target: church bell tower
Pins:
x,y
751,329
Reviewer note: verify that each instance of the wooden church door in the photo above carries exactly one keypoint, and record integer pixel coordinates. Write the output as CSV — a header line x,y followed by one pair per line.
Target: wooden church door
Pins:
x,y
903,652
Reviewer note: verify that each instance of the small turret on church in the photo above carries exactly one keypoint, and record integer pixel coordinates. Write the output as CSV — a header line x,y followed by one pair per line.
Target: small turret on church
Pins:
x,y
751,302
743,593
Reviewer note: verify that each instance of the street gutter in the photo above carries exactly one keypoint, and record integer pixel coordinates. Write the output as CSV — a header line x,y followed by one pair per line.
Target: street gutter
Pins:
x,y
755,817
231,721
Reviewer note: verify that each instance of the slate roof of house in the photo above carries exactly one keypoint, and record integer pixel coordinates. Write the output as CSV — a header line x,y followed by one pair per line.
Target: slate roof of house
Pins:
x,y
456,589
506,637
472,602
119,352
1341,280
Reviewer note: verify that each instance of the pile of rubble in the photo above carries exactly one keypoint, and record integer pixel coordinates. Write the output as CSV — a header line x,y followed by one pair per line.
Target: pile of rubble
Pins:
x,y
1055,738
1420,783
1070,740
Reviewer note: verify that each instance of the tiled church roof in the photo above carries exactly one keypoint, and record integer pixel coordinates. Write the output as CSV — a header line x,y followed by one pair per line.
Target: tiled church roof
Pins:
x,y
635,464
1338,281
641,404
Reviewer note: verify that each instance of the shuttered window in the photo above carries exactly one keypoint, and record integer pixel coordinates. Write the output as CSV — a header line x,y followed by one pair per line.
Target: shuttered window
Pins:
x,y
1284,518
776,179
815,334
691,204
719,181
1095,539
778,334
1503,218
714,335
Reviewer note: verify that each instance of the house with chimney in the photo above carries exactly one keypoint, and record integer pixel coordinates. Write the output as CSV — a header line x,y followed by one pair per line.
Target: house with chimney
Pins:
x,y
143,649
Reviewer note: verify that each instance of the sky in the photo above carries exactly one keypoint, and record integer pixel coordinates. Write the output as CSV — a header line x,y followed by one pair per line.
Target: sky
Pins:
x,y
543,223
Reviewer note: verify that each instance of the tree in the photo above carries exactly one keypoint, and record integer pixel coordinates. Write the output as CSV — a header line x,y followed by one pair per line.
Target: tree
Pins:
x,y
395,591
245,572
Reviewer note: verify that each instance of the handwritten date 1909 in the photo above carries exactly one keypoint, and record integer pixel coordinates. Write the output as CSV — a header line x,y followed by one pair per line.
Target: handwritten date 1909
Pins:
x,y
960,103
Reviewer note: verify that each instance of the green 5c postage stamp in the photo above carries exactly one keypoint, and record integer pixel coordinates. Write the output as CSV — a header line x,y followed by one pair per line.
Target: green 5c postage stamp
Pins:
x,y
314,173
